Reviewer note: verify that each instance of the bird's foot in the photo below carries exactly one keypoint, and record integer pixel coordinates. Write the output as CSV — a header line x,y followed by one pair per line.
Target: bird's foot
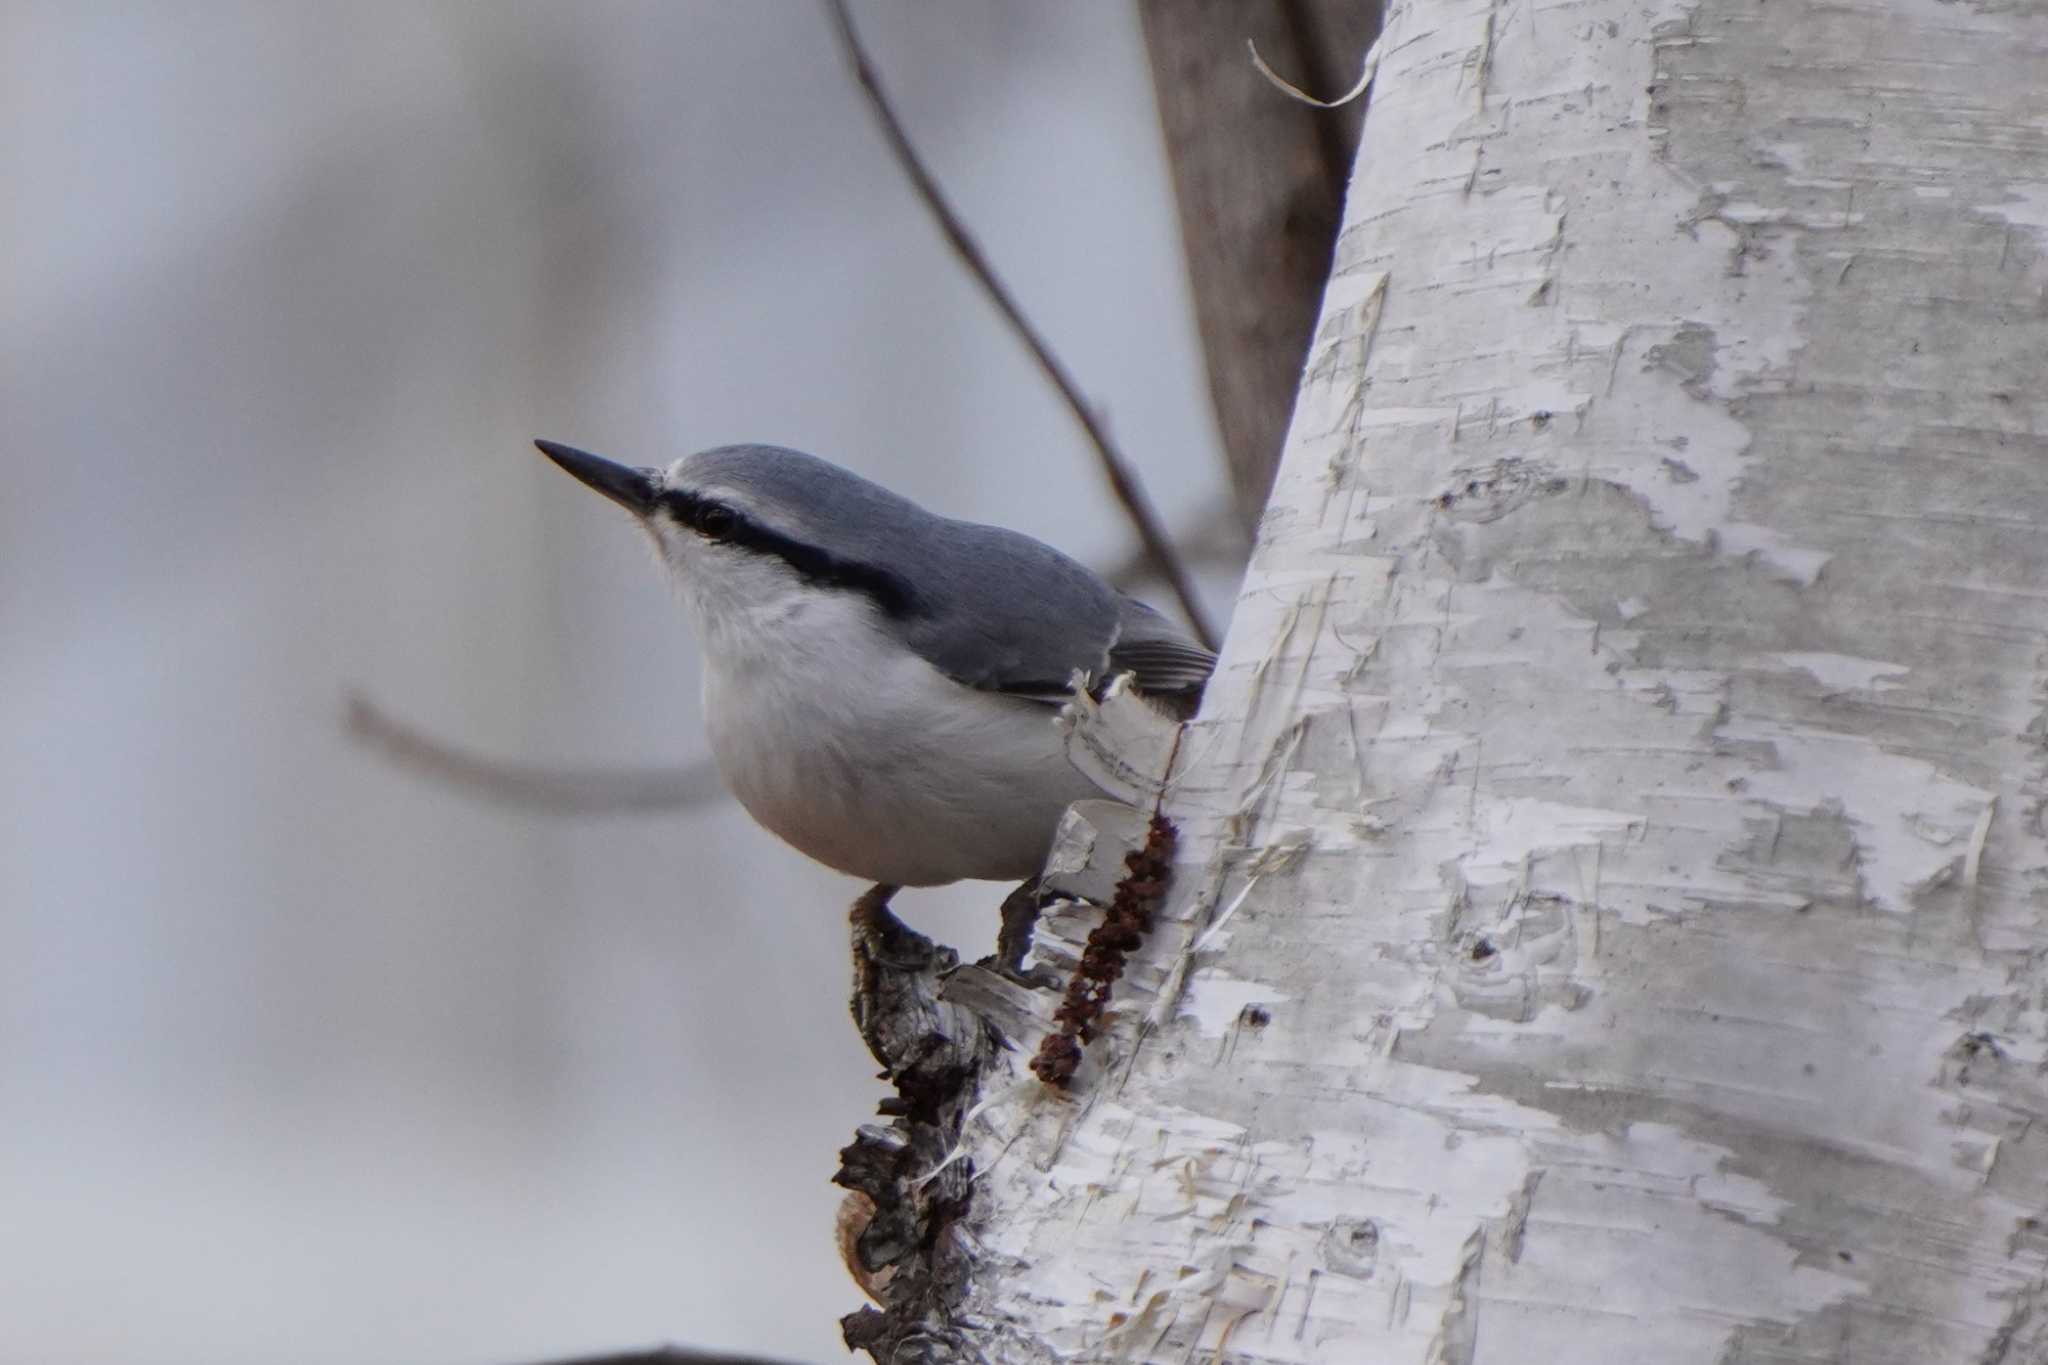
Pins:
x,y
1013,940
884,939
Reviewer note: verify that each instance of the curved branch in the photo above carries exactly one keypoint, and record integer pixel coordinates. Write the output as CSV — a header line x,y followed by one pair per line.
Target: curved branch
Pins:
x,y
526,786
1123,481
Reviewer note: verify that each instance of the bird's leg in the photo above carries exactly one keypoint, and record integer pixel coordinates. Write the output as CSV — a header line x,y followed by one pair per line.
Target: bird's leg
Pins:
x,y
879,936
871,911
1013,940
1020,919
896,972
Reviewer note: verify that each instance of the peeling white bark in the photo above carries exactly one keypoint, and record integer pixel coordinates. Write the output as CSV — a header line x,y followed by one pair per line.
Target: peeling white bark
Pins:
x,y
1611,912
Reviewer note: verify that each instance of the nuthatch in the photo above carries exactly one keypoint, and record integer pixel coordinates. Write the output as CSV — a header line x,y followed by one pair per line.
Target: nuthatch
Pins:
x,y
880,683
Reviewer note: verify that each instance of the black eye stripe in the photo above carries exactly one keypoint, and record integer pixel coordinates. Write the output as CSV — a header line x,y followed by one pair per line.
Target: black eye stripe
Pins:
x,y
706,516
818,565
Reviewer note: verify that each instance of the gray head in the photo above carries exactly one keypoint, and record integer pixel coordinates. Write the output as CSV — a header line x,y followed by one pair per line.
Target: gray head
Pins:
x,y
751,529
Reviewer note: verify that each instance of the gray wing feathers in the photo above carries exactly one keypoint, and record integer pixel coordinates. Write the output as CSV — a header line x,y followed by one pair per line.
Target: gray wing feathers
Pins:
x,y
1026,617
1001,611
1160,657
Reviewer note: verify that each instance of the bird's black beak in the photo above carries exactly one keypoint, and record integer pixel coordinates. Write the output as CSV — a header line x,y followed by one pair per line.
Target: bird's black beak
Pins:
x,y
636,490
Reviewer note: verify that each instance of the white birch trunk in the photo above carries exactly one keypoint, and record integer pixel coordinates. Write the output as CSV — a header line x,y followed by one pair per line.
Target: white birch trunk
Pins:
x,y
1610,911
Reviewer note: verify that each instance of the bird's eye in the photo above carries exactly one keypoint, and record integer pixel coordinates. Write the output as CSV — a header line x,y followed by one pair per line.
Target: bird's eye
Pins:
x,y
715,522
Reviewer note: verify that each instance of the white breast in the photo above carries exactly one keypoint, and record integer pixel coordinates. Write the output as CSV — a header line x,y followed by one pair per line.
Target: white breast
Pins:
x,y
866,758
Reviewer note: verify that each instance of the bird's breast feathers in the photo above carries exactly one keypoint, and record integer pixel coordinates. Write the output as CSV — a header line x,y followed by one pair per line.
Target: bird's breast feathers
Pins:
x,y
862,755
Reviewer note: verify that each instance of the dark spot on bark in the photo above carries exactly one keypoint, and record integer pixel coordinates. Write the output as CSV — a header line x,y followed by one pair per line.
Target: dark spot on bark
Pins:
x,y
1490,494
1979,1044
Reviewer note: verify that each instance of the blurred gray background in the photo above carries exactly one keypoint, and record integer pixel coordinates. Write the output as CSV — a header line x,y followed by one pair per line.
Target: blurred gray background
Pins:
x,y
301,1058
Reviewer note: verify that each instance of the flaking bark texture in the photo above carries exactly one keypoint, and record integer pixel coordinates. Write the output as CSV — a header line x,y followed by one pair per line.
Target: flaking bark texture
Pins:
x,y
1610,922
934,1053
948,1036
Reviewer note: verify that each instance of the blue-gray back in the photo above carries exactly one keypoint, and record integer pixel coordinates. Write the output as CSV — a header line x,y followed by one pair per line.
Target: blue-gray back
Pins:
x,y
989,607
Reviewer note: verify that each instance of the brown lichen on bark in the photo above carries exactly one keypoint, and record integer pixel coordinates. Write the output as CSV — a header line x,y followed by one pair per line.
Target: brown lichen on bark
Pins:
x,y
1123,928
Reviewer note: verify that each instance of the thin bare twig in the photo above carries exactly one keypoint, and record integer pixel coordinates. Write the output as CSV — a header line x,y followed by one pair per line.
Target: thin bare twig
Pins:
x,y
555,791
1214,540
1123,482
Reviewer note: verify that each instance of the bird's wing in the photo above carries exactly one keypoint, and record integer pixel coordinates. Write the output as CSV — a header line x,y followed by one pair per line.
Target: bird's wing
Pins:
x,y
1163,663
1160,657
1001,612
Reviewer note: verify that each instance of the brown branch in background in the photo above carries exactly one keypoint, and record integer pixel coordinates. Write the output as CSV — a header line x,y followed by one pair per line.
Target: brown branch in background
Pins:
x,y
523,786
1123,482
1259,179
1318,30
